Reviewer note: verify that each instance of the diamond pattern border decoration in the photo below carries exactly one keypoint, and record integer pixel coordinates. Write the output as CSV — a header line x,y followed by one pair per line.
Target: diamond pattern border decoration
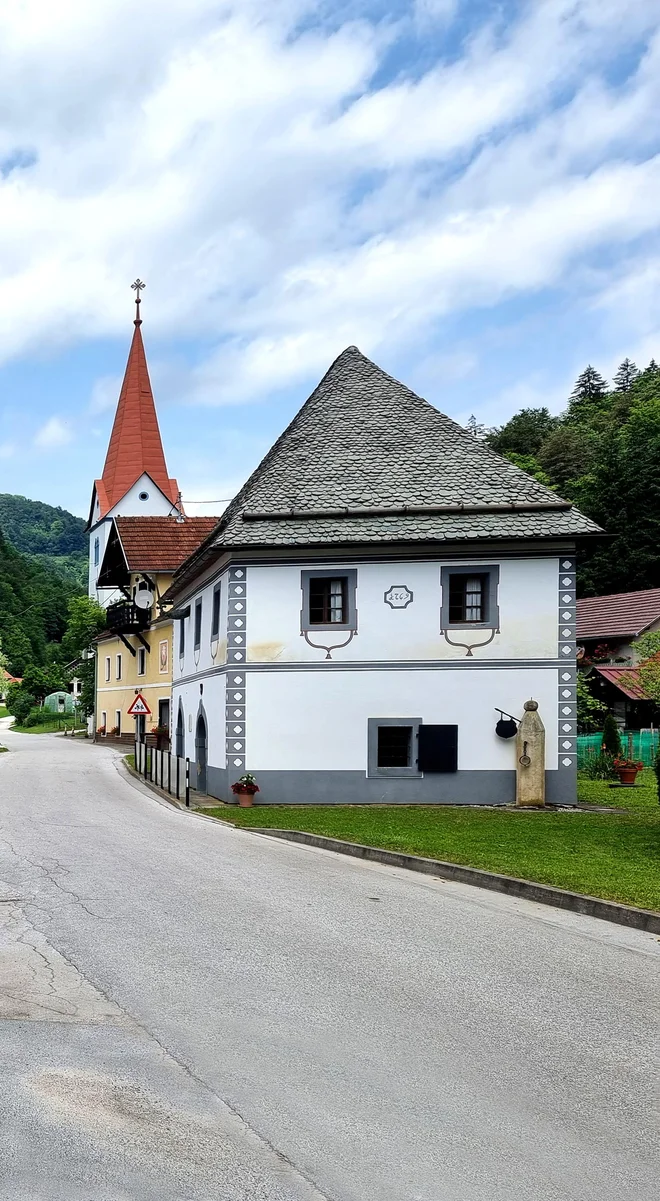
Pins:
x,y
567,698
235,679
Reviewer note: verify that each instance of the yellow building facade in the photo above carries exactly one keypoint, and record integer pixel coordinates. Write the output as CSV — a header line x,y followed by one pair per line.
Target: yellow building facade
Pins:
x,y
131,665
134,654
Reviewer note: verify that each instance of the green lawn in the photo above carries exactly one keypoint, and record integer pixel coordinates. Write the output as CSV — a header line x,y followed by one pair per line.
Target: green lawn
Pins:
x,y
3,711
613,855
46,727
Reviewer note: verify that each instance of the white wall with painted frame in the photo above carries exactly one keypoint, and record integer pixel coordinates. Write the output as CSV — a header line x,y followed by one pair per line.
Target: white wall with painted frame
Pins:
x,y
526,598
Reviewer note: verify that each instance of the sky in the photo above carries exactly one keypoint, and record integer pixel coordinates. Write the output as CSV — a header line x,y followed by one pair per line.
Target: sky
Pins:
x,y
467,190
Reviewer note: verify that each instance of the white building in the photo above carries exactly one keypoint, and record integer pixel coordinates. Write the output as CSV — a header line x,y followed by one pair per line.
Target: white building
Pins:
x,y
381,586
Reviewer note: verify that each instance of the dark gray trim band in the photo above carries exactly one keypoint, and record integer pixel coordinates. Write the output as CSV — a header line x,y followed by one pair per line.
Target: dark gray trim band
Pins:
x,y
384,665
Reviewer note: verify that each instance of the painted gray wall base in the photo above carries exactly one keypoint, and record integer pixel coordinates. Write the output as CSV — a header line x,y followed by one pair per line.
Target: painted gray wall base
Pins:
x,y
217,784
561,786
354,788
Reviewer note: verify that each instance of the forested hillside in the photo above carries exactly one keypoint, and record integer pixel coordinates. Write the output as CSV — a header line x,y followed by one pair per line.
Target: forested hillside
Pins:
x,y
51,536
33,609
603,453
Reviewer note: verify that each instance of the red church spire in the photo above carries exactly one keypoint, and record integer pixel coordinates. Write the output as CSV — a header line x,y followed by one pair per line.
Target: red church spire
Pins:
x,y
135,445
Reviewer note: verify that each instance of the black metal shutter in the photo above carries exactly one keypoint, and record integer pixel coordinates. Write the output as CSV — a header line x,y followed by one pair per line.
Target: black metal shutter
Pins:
x,y
437,748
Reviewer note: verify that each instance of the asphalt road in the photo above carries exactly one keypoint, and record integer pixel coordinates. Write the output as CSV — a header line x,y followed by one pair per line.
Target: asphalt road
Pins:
x,y
194,1013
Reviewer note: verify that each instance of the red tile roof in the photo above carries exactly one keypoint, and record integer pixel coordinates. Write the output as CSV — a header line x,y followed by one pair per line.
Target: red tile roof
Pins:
x,y
627,680
135,445
161,543
622,615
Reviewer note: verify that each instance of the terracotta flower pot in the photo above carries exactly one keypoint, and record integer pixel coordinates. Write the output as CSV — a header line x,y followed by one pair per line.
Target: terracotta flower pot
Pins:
x,y
245,799
627,775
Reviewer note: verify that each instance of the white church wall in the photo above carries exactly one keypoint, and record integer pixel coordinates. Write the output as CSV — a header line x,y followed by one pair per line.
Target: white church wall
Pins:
x,y
144,499
527,608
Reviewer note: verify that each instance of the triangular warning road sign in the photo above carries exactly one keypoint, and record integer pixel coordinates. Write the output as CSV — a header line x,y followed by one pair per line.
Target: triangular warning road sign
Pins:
x,y
139,708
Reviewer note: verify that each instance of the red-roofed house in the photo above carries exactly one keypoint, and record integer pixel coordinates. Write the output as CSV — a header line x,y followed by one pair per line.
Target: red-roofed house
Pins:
x,y
139,536
607,629
135,652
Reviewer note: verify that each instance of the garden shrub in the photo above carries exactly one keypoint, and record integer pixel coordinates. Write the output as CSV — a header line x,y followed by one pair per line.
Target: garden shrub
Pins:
x,y
611,743
599,767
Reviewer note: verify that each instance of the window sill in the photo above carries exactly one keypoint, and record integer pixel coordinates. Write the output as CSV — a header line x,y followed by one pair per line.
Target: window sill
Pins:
x,y
398,773
339,627
470,625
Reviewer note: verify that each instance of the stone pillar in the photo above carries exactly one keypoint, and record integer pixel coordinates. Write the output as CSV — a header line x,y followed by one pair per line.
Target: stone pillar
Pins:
x,y
530,757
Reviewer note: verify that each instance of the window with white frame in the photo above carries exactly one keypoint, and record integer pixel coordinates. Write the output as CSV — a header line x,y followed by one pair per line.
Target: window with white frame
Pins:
x,y
118,668
118,721
104,721
107,667
198,624
97,551
141,661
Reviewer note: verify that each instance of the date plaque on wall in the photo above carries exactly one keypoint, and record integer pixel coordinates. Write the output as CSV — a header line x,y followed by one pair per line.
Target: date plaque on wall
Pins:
x,y
398,596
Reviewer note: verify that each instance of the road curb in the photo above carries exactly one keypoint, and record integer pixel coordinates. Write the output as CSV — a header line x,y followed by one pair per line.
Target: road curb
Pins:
x,y
529,890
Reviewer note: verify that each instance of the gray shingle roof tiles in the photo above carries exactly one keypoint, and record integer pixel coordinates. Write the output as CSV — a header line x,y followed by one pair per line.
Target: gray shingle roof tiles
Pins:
x,y
362,440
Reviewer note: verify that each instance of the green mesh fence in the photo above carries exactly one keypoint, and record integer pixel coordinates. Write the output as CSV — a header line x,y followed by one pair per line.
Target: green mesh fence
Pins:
x,y
639,744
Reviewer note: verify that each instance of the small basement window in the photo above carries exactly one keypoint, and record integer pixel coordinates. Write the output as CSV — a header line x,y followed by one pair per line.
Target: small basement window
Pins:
x,y
469,597
392,746
329,600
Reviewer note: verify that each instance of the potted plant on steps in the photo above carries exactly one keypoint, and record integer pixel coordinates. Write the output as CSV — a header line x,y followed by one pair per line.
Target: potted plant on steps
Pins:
x,y
627,769
244,789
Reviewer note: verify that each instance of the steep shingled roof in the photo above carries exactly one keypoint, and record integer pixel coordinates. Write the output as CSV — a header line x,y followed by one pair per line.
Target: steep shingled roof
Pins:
x,y
619,615
135,446
366,460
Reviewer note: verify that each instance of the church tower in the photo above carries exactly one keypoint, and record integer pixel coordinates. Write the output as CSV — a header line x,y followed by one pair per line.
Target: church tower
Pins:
x,y
135,481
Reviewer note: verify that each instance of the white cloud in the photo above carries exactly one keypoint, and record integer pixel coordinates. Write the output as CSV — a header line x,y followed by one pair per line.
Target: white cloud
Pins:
x,y
53,434
105,394
280,203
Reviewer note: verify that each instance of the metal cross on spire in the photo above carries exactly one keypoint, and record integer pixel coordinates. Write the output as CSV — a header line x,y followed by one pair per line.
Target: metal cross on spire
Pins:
x,y
137,288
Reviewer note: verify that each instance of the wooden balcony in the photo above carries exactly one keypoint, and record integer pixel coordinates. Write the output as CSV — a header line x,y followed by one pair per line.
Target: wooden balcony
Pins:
x,y
125,618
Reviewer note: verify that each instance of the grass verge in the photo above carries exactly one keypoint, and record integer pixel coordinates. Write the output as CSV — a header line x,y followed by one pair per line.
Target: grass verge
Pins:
x,y
610,855
46,727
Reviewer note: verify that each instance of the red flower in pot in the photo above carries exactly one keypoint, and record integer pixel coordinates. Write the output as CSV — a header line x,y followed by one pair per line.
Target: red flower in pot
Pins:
x,y
627,769
245,788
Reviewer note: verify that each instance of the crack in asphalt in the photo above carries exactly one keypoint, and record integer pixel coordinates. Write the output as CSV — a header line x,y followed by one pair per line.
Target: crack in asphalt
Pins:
x,y
49,874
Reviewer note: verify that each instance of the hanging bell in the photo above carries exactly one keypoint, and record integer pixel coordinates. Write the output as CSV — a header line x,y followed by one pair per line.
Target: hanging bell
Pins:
x,y
506,728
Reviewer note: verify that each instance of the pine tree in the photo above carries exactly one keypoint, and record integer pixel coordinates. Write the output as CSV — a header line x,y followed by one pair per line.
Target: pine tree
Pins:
x,y
611,744
476,428
589,396
625,376
524,433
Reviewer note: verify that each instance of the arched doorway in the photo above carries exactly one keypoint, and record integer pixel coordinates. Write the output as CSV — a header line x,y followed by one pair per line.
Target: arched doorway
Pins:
x,y
200,753
180,744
